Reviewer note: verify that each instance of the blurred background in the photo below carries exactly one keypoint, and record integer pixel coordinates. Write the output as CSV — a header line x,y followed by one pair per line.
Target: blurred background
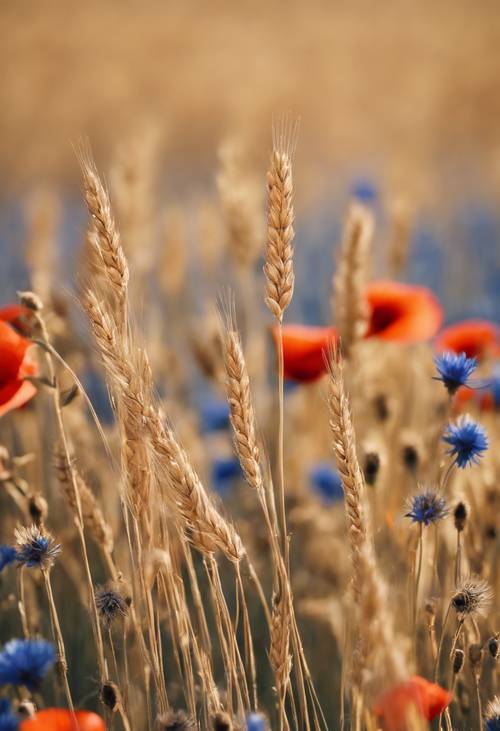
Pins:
x,y
398,103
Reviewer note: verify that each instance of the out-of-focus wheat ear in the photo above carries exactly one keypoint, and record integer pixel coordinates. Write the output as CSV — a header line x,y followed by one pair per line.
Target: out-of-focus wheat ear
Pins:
x,y
344,449
107,237
279,651
350,308
278,268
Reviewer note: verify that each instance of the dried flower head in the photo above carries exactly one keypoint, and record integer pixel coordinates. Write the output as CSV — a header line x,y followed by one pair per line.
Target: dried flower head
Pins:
x,y
473,596
467,440
460,515
426,508
371,467
36,548
492,716
110,695
458,660
175,721
494,646
222,722
110,604
454,370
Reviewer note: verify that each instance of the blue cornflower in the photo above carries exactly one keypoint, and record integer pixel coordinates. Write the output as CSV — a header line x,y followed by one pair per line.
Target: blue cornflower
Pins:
x,y
224,471
36,548
8,555
426,508
454,370
364,191
467,441
214,415
256,722
327,481
8,722
26,662
492,717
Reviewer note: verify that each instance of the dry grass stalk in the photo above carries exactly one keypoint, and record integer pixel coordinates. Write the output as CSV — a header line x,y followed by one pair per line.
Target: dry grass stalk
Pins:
x,y
378,642
350,308
279,651
173,257
93,517
280,216
344,448
239,195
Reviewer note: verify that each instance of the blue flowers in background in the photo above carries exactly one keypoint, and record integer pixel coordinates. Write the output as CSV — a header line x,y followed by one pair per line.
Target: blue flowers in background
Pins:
x,y
327,482
26,662
454,370
225,470
7,556
256,722
8,721
214,415
467,440
426,508
365,191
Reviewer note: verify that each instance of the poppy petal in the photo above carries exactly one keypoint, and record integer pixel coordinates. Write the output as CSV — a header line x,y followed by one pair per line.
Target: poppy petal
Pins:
x,y
394,708
305,351
475,338
60,719
402,312
16,315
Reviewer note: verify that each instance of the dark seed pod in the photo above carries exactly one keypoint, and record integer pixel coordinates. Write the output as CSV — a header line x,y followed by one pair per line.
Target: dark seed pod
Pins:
x,y
372,466
458,661
175,721
110,695
493,647
38,509
475,655
222,722
381,407
110,604
410,457
460,515
30,300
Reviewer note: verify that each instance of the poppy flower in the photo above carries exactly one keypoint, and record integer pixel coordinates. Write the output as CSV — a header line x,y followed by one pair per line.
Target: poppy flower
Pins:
x,y
17,316
15,364
475,338
60,719
402,312
305,350
417,695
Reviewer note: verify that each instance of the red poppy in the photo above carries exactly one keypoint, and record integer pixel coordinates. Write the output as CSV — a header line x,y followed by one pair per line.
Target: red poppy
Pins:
x,y
60,719
17,316
402,312
15,364
475,338
428,700
305,350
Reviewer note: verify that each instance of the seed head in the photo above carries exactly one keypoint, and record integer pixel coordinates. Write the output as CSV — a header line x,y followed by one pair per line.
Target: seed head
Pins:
x,y
175,721
222,722
372,466
111,605
458,661
110,695
460,515
472,597
36,548
494,647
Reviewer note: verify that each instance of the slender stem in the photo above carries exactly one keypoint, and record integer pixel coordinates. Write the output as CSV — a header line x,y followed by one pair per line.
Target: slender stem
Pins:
x,y
281,450
455,637
478,696
458,559
21,605
56,628
417,582
441,640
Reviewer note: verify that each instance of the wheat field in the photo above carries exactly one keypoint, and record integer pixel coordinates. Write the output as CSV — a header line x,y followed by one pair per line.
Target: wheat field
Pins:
x,y
249,366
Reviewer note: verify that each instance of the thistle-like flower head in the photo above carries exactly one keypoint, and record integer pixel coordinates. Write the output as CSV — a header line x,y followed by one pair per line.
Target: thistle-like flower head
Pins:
x,y
26,662
36,548
472,597
467,440
426,508
111,605
454,370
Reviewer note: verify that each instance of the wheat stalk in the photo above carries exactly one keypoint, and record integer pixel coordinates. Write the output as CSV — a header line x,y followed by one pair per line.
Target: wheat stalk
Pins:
x,y
349,305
